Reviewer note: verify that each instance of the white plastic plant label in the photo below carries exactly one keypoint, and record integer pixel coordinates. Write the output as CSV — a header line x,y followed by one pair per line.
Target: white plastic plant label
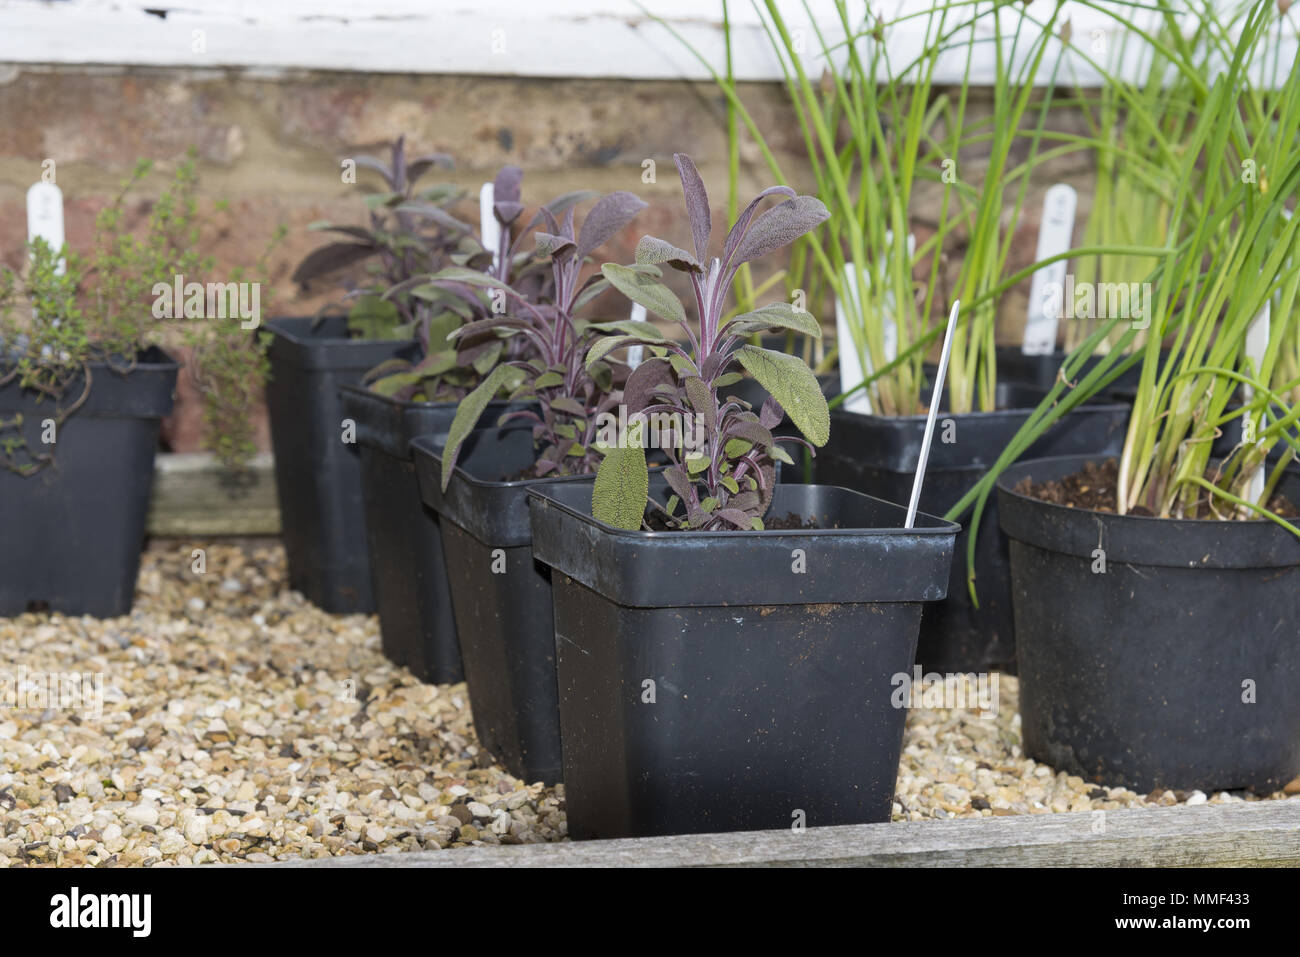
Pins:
x,y
852,372
489,228
1257,337
1055,233
45,216
636,353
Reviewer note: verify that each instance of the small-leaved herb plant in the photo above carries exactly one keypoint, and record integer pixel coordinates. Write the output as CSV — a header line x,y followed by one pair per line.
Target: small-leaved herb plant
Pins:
x,y
724,482
411,232
551,365
64,313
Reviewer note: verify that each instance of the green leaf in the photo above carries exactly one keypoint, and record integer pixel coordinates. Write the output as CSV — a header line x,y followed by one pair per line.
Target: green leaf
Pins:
x,y
709,504
642,330
467,416
548,379
780,454
643,288
730,378
703,401
372,317
671,505
775,315
622,486
607,344
735,448
568,405
696,463
756,524
730,484
389,385
683,366
470,277
793,385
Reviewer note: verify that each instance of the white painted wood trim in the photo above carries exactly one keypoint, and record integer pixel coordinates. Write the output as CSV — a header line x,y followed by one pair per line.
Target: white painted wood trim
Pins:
x,y
531,38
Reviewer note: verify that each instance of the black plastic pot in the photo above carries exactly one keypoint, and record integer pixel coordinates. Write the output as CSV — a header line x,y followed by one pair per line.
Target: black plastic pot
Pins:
x,y
1175,668
501,596
877,455
707,686
404,536
317,474
73,531
1040,371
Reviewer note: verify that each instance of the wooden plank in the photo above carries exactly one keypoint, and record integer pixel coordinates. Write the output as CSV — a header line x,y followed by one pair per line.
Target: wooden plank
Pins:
x,y
559,38
194,496
1256,834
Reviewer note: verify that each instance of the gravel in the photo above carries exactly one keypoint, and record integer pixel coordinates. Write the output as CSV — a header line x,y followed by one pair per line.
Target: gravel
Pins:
x,y
241,723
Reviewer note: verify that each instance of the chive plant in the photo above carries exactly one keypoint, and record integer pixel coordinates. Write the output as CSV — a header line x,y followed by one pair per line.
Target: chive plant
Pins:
x,y
878,135
1229,251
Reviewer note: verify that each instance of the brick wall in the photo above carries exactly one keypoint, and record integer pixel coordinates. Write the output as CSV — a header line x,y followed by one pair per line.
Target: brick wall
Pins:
x,y
271,147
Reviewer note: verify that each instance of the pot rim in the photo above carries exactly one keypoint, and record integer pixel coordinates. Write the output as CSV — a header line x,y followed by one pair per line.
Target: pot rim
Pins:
x,y
1137,539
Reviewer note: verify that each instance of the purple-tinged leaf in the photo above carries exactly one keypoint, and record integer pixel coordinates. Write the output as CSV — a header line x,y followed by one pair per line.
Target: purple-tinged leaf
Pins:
x,y
331,258
741,225
422,164
771,414
641,384
780,226
606,220
751,431
437,214
505,188
651,251
697,204
557,247
734,516
680,483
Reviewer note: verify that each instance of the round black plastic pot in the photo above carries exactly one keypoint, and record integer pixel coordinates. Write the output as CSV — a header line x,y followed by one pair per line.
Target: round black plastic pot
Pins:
x,y
501,596
720,681
73,531
1175,667
877,455
317,473
404,536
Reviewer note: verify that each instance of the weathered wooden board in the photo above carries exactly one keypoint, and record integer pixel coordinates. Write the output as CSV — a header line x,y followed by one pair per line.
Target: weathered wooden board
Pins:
x,y
194,496
1258,834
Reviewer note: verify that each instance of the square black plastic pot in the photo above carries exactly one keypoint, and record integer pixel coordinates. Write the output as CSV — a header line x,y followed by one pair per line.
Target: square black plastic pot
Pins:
x,y
404,536
1175,663
73,532
501,596
720,681
317,473
877,455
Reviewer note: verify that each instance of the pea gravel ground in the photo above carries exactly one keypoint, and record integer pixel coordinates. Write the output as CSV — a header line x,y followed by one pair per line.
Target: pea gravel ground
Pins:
x,y
240,723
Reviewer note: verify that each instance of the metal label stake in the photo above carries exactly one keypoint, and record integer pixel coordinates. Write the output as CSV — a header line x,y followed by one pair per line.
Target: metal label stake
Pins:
x,y
935,398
